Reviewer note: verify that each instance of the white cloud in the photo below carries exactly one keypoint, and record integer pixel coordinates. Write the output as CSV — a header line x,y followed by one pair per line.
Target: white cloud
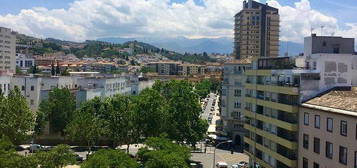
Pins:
x,y
91,19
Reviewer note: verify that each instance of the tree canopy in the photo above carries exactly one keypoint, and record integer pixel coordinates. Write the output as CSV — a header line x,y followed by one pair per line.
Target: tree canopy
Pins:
x,y
16,118
110,158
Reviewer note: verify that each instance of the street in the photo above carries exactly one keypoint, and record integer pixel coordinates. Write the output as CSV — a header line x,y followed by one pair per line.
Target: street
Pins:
x,y
211,113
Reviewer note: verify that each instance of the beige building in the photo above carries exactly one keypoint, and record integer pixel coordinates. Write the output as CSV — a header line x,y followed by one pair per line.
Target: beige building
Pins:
x,y
328,130
7,51
256,31
191,69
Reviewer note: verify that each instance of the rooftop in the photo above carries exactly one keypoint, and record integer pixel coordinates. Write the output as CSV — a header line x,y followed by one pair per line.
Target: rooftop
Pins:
x,y
240,61
343,99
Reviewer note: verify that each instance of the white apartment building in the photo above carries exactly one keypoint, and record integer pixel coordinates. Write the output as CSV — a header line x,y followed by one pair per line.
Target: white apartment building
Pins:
x,y
7,51
24,62
5,84
232,103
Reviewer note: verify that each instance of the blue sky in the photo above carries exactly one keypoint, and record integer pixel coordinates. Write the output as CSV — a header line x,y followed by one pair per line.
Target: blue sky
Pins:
x,y
91,19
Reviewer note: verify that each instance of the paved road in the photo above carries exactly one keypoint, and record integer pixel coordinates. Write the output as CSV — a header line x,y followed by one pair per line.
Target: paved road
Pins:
x,y
221,155
207,110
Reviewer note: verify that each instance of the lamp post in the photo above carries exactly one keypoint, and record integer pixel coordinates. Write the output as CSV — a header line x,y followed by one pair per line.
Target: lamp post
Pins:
x,y
214,151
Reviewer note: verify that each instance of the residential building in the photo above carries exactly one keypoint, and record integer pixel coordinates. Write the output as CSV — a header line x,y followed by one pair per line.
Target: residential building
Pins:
x,y
164,68
232,102
7,51
256,31
5,84
24,62
328,130
274,89
191,69
328,44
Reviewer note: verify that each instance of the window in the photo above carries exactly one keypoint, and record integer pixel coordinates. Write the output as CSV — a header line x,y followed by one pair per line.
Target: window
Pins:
x,y
31,101
306,141
343,155
316,165
305,163
306,118
314,65
355,159
329,150
329,124
32,88
343,128
237,93
317,121
317,145
22,87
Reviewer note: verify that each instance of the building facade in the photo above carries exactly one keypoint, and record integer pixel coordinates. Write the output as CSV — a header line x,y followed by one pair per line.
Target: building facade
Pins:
x,y
232,102
24,62
328,130
7,51
256,31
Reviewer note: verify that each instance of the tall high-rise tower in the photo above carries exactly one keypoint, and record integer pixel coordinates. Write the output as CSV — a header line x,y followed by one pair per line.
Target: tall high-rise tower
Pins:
x,y
256,31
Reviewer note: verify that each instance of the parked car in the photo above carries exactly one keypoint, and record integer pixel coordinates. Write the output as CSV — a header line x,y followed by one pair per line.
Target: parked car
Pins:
x,y
241,164
35,148
221,165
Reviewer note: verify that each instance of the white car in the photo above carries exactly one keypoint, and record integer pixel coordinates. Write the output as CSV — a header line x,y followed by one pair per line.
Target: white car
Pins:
x,y
35,148
221,165
241,164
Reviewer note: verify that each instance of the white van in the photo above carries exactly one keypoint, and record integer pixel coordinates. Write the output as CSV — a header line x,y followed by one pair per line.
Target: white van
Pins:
x,y
221,165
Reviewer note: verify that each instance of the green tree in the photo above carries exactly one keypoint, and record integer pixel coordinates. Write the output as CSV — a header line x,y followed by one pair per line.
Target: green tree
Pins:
x,y
203,88
184,111
119,113
86,125
16,118
152,109
58,157
162,152
58,109
110,158
9,158
53,71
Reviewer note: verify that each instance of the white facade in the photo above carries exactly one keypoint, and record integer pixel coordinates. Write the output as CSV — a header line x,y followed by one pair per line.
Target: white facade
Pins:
x,y
24,62
5,84
7,51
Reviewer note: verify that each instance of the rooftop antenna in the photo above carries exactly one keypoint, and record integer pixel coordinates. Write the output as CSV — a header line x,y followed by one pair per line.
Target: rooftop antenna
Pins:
x,y
311,30
322,27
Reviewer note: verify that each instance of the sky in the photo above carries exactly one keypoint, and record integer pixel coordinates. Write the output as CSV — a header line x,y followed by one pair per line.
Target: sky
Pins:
x,y
80,20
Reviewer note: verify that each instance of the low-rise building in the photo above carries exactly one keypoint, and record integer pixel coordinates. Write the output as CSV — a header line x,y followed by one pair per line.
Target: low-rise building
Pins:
x,y
328,130
24,62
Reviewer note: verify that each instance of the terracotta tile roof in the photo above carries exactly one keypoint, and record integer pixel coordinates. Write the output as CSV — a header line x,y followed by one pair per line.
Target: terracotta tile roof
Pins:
x,y
343,99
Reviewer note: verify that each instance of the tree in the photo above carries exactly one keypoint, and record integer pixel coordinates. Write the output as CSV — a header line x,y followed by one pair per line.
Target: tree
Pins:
x,y
120,114
16,118
203,88
110,158
58,157
86,125
53,71
9,157
184,111
162,152
58,70
152,109
58,109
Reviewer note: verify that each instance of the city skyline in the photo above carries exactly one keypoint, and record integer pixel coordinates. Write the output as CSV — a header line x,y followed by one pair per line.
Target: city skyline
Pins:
x,y
75,19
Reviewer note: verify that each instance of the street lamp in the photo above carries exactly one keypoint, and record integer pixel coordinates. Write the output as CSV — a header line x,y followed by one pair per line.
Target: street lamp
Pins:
x,y
214,151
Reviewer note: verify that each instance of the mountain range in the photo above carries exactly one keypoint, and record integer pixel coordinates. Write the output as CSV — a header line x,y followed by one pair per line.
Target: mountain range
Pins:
x,y
209,45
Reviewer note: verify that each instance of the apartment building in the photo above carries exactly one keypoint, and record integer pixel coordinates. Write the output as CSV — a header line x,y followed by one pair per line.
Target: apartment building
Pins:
x,y
191,69
7,51
232,103
328,130
256,31
5,84
274,89
24,62
164,68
